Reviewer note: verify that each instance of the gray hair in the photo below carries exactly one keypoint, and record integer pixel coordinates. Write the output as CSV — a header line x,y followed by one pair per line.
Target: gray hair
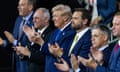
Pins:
x,y
46,12
104,29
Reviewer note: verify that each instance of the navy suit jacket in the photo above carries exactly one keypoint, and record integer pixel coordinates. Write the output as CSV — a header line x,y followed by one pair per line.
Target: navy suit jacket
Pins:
x,y
106,56
21,65
114,63
106,9
64,42
82,47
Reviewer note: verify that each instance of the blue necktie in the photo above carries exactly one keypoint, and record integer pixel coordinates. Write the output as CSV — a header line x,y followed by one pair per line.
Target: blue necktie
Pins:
x,y
58,35
20,29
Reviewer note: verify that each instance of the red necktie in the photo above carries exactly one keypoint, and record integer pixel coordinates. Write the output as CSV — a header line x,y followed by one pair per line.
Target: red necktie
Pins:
x,y
116,48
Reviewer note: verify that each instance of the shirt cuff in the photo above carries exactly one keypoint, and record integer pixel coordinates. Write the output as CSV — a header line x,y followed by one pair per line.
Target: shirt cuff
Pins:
x,y
78,70
15,42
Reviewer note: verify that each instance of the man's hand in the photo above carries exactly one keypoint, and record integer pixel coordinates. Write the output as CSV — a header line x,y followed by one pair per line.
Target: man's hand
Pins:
x,y
29,32
74,62
9,36
20,50
1,41
96,20
97,55
88,62
63,67
55,50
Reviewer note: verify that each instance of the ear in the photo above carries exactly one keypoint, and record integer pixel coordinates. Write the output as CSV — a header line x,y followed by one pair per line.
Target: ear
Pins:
x,y
85,21
31,7
65,18
105,37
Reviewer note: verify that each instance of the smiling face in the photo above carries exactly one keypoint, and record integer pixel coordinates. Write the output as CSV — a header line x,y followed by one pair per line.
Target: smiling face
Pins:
x,y
39,19
116,26
58,19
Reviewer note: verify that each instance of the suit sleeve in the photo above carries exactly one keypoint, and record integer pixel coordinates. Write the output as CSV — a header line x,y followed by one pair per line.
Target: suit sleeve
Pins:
x,y
109,10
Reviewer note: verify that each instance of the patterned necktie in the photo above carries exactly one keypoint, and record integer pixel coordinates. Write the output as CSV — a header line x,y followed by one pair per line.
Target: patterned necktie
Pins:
x,y
20,29
76,38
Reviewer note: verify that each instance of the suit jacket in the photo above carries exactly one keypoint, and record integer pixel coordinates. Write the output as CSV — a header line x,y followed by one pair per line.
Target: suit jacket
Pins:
x,y
63,42
37,59
82,47
114,63
106,56
21,65
106,9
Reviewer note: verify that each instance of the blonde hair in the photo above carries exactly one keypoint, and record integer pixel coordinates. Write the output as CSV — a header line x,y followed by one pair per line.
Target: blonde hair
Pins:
x,y
65,10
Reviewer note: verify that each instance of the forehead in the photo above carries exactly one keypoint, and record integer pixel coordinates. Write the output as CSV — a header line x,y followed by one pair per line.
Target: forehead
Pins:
x,y
116,19
96,32
77,14
38,13
23,1
57,13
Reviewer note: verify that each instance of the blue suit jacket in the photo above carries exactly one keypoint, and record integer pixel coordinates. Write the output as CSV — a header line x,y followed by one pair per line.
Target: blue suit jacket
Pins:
x,y
64,42
114,63
106,9
82,47
21,65
106,56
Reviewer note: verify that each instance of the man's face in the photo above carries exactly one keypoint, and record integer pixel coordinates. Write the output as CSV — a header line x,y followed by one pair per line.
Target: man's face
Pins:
x,y
39,19
58,19
77,20
116,26
98,38
24,7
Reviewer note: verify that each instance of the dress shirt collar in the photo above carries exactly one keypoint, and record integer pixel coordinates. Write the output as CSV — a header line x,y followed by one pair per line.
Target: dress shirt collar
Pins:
x,y
28,17
81,33
42,30
65,26
103,47
119,42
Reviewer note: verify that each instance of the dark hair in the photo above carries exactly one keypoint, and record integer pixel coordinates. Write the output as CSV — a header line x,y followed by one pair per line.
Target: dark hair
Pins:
x,y
104,29
117,13
85,14
32,2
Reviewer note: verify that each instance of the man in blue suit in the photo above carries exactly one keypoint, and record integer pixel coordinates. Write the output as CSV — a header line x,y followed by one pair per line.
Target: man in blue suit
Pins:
x,y
41,19
25,8
114,61
79,45
62,35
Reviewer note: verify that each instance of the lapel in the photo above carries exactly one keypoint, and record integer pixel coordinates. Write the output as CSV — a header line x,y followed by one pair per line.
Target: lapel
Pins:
x,y
30,24
68,31
79,44
114,58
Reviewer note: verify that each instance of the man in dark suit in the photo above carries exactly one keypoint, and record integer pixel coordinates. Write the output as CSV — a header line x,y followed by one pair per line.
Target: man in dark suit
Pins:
x,y
41,19
25,8
80,46
100,38
61,17
62,36
114,61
